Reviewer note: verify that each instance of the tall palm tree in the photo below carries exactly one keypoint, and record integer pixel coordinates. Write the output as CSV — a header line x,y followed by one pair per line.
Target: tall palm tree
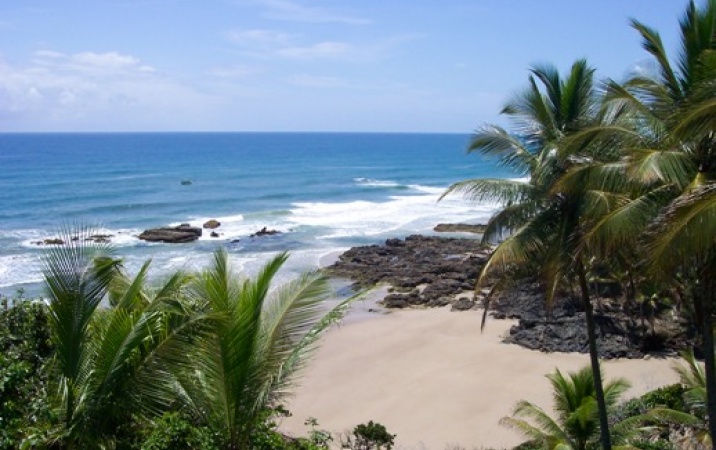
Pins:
x,y
664,126
546,220
576,426
257,341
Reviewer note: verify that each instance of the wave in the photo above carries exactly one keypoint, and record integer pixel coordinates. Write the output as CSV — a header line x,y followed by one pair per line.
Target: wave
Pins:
x,y
370,182
397,215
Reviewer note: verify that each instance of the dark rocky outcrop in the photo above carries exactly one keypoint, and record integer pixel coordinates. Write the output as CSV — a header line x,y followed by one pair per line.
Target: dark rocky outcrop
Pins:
x,y
460,228
98,238
265,232
173,235
211,224
51,241
423,270
433,271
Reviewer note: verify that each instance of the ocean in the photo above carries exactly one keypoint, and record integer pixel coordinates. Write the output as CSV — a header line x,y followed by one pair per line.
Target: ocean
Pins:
x,y
324,193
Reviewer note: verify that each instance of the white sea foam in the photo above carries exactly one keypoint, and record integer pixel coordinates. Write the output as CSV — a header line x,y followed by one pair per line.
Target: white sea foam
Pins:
x,y
412,214
24,268
32,238
376,183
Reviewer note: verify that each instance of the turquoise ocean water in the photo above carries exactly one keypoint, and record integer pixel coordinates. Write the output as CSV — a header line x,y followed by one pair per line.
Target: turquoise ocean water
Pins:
x,y
325,192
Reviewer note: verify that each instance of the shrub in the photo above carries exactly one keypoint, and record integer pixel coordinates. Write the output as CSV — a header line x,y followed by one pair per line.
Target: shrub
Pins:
x,y
372,435
175,432
671,396
24,351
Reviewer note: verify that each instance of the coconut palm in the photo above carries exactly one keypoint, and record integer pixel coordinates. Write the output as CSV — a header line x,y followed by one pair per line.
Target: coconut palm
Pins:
x,y
576,426
256,343
663,124
105,355
546,220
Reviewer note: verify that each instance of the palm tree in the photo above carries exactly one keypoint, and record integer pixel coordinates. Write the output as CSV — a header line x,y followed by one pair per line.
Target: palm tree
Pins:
x,y
664,126
576,426
257,341
546,220
105,355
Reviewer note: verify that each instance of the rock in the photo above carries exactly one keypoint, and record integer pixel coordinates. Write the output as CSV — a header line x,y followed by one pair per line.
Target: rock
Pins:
x,y
462,304
413,261
396,301
460,228
99,238
53,241
264,232
430,271
214,234
211,224
173,235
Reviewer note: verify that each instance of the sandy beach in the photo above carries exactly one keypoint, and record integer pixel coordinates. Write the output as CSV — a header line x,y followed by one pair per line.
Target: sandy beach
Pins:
x,y
433,379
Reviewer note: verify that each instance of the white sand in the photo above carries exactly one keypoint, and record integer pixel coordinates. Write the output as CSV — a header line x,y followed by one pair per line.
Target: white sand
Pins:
x,y
433,379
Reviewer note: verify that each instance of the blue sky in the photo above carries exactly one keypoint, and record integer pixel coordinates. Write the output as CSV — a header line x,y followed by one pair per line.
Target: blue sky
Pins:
x,y
299,65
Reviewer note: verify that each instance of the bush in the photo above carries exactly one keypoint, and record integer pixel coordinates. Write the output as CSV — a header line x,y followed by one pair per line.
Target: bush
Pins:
x,y
671,396
372,435
175,432
25,349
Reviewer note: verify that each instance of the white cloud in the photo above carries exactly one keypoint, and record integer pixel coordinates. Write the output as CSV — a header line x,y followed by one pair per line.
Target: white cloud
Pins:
x,y
102,63
293,11
94,91
237,71
262,38
320,50
318,81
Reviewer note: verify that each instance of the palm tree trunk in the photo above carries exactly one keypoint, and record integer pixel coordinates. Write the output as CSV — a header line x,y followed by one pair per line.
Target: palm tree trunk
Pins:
x,y
704,299
605,437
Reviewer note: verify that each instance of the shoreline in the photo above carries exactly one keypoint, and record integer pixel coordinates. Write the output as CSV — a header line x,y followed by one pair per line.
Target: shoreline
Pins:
x,y
433,379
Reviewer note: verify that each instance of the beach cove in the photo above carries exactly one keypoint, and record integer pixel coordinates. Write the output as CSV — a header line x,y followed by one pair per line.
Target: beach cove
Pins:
x,y
424,368
433,379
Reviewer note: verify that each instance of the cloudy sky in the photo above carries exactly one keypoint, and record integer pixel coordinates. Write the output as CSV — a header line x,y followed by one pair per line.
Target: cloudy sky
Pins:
x,y
299,65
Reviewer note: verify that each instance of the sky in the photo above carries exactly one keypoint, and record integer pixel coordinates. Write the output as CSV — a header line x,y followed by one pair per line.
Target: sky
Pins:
x,y
300,65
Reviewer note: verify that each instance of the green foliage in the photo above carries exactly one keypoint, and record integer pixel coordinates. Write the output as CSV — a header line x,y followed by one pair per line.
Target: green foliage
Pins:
x,y
255,341
174,432
369,436
671,397
576,425
319,438
657,444
24,350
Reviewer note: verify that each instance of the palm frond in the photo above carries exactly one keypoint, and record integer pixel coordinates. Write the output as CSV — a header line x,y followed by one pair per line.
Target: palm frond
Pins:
x,y
651,42
510,151
77,275
685,229
498,190
649,166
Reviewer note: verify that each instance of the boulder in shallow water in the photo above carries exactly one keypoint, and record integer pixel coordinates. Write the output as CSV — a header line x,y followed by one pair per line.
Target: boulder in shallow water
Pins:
x,y
460,228
212,224
265,232
172,235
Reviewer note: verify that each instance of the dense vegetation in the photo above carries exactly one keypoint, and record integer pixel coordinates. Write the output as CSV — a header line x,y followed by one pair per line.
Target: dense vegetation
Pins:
x,y
621,184
200,361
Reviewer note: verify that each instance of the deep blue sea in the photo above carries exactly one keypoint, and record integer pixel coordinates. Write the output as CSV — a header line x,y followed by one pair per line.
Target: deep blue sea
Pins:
x,y
324,192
